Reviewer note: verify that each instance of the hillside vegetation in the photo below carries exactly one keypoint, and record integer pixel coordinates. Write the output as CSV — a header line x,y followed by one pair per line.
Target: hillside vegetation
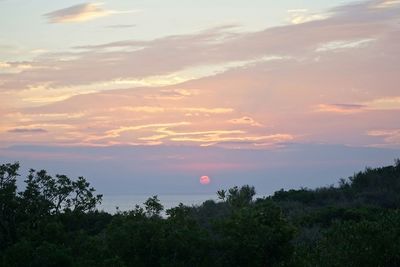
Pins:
x,y
53,221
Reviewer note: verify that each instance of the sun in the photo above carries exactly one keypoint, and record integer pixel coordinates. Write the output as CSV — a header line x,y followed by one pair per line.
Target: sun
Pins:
x,y
204,180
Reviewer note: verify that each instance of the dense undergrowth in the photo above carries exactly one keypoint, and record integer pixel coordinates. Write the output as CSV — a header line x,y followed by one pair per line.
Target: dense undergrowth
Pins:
x,y
53,221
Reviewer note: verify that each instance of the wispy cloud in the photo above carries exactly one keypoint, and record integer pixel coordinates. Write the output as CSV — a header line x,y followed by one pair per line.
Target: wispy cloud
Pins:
x,y
384,132
391,137
219,138
121,62
137,92
27,130
386,3
379,104
246,121
337,45
121,26
298,16
80,13
117,132
340,108
387,103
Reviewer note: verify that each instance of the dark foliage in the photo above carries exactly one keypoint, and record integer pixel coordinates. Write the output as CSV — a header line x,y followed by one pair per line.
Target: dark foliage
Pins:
x,y
53,221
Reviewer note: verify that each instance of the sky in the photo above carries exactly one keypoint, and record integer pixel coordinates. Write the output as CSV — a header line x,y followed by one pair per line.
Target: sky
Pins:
x,y
147,96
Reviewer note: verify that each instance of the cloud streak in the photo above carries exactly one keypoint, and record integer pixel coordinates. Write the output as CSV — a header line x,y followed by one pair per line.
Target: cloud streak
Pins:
x,y
322,81
357,26
80,13
27,130
121,26
340,108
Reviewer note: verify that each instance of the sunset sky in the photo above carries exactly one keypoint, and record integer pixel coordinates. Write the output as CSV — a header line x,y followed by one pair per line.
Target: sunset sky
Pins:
x,y
150,95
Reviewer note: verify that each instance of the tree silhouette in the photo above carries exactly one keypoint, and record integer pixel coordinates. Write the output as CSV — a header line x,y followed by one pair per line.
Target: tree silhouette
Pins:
x,y
8,203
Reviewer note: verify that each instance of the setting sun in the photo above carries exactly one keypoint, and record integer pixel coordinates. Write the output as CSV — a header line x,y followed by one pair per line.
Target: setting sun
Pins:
x,y
204,180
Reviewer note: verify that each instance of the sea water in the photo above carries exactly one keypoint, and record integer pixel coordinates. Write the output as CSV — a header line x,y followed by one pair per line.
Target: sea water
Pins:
x,y
112,203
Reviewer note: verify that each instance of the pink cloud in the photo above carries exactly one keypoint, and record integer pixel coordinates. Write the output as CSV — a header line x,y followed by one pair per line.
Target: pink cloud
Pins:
x,y
80,13
138,59
258,103
211,166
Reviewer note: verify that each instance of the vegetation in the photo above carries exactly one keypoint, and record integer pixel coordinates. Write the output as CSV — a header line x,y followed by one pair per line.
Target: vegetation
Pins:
x,y
53,221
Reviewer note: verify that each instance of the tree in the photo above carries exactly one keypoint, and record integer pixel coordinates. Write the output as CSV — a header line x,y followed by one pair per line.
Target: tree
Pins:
x,y
45,195
153,207
255,235
239,197
35,224
8,203
221,194
365,243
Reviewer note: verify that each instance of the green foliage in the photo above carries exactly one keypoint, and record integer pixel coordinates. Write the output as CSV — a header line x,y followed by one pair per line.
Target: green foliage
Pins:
x,y
240,197
221,194
46,195
255,235
53,221
8,203
153,207
365,243
33,222
26,253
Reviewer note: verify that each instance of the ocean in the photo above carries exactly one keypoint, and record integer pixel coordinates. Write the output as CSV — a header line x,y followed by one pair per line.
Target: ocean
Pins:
x,y
128,202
